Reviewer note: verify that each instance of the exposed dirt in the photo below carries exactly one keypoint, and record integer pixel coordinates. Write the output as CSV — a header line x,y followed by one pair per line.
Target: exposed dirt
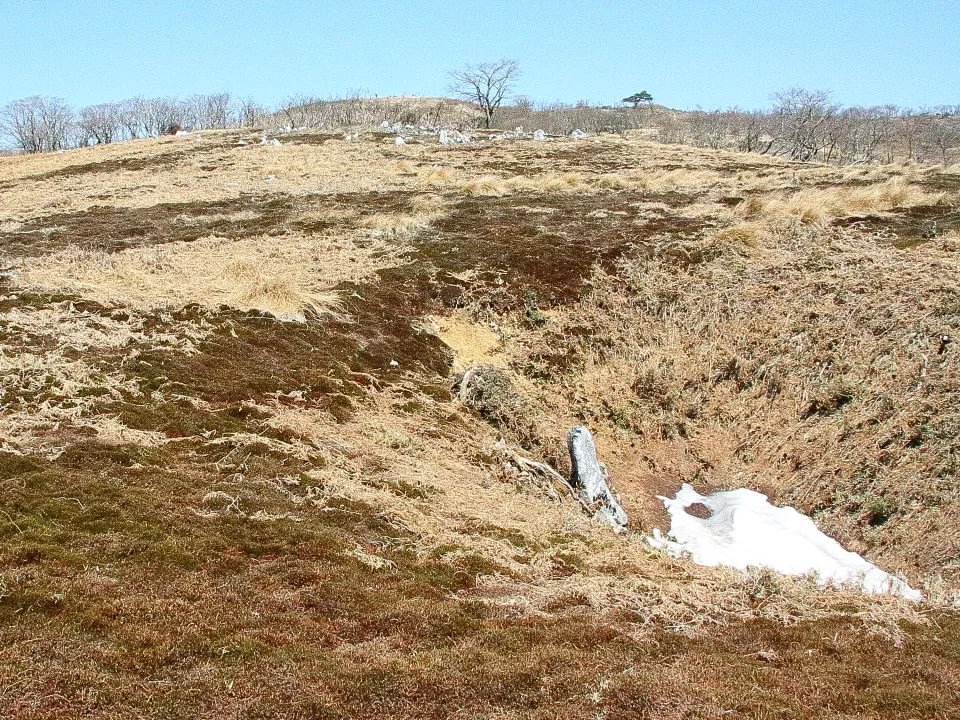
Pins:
x,y
318,138
111,228
909,226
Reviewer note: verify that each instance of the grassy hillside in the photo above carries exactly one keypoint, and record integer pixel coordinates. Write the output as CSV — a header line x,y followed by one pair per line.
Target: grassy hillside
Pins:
x,y
237,479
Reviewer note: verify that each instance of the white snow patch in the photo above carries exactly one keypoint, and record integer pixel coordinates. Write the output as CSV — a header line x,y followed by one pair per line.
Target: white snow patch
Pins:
x,y
745,530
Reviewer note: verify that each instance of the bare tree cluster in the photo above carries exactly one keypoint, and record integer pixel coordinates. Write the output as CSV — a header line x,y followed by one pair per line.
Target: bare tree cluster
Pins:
x,y
305,111
44,124
38,124
562,119
806,125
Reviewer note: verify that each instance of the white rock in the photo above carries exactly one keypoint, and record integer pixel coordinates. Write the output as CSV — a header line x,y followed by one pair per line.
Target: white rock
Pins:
x,y
578,135
539,135
385,124
399,141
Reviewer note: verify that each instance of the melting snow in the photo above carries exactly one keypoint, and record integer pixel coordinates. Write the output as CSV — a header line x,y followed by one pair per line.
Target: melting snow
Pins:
x,y
744,529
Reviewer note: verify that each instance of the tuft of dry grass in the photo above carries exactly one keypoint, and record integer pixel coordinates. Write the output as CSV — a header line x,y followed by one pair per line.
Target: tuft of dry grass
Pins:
x,y
817,205
427,204
682,180
485,185
440,176
549,183
279,295
744,234
398,226
493,186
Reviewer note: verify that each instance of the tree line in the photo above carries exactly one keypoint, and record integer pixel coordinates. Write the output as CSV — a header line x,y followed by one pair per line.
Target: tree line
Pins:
x,y
807,125
45,124
800,125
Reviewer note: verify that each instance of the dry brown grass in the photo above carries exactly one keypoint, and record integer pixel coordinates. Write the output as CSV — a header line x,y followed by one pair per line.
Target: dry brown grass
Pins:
x,y
212,170
493,186
444,504
658,181
745,234
817,205
44,389
288,276
403,225
192,498
812,363
473,343
486,185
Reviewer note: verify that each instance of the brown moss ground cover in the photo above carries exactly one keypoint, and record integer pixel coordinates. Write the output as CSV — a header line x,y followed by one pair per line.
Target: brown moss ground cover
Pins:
x,y
207,512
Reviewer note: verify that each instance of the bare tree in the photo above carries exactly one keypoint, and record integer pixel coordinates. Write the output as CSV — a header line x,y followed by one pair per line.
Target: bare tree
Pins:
x,y
100,123
802,122
162,115
207,111
251,113
38,124
132,112
486,84
944,130
300,111
747,128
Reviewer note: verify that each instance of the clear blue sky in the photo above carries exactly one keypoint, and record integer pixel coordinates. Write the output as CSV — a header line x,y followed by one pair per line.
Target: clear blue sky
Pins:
x,y
685,52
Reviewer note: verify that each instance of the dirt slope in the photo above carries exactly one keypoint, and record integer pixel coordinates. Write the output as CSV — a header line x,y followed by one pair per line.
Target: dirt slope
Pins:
x,y
236,480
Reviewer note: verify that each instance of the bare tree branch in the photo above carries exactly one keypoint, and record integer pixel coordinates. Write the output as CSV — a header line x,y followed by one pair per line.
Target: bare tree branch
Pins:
x,y
486,84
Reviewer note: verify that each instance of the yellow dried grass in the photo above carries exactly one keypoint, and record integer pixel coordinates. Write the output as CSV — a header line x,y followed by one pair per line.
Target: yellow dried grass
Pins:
x,y
287,276
816,205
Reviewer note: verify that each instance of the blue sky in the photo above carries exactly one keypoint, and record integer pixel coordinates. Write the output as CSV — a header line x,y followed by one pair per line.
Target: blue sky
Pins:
x,y
685,52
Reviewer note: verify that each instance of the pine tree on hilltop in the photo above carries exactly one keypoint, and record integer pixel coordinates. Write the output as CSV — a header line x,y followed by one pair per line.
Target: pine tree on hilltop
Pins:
x,y
637,98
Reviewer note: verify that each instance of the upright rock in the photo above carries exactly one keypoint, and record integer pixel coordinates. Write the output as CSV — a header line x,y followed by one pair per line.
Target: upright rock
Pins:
x,y
589,479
